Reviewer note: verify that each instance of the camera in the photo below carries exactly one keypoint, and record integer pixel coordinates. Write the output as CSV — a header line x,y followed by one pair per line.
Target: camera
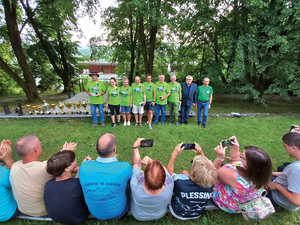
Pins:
x,y
146,143
227,142
160,97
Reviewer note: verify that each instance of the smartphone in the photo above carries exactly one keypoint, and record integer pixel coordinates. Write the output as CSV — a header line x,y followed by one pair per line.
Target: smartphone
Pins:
x,y
147,143
293,127
188,146
227,142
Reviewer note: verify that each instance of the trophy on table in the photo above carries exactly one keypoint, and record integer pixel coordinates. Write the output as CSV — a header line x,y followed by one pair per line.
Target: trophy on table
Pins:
x,y
61,107
84,105
29,109
52,106
46,108
78,105
69,106
40,108
19,110
35,111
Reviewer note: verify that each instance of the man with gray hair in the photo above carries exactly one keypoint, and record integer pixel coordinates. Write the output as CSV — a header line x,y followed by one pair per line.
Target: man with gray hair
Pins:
x,y
174,99
29,176
104,181
189,98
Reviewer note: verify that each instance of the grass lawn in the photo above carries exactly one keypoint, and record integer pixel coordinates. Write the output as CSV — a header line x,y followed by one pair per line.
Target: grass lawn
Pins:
x,y
262,132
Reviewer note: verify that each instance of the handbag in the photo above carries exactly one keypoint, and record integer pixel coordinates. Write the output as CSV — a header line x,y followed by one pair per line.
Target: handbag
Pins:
x,y
258,208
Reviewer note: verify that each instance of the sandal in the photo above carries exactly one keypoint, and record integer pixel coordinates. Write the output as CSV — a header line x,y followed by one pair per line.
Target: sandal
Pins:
x,y
141,124
150,127
136,124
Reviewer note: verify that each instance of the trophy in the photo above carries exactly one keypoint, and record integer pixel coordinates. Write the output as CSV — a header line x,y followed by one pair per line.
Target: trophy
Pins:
x,y
46,108
69,106
29,109
19,110
61,107
35,111
52,106
40,108
84,105
78,105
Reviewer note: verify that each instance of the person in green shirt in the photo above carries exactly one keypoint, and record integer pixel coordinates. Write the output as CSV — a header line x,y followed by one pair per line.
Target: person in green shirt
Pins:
x,y
174,99
113,101
204,100
162,94
96,89
138,100
150,98
126,101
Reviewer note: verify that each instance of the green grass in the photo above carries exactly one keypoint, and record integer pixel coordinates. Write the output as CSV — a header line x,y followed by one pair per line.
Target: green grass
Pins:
x,y
263,132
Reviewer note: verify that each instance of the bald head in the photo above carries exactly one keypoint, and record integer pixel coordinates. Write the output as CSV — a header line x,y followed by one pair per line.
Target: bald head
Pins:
x,y
106,145
25,145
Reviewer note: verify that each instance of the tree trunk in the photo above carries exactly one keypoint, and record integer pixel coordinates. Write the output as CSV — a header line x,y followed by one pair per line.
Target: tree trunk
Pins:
x,y
143,44
28,86
132,51
65,75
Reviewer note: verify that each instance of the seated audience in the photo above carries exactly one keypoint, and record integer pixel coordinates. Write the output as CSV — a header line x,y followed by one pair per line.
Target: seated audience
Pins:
x,y
191,190
63,195
285,188
8,204
240,181
104,181
29,176
151,190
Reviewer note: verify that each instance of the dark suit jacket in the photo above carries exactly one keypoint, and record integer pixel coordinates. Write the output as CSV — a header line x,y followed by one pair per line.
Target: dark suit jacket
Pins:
x,y
191,97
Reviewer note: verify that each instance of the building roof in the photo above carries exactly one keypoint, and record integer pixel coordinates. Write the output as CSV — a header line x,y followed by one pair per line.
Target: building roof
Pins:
x,y
92,63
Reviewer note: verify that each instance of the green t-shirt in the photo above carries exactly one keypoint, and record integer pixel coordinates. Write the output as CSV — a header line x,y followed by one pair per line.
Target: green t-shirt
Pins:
x,y
113,93
94,88
175,92
162,89
150,87
138,92
125,95
204,93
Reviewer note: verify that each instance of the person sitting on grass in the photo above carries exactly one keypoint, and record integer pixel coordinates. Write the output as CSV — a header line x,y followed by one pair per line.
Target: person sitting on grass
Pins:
x,y
241,180
113,101
151,190
285,187
63,195
8,205
29,176
191,190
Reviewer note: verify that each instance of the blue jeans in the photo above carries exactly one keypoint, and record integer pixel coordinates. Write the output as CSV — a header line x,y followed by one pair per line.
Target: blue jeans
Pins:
x,y
185,112
94,112
204,106
163,112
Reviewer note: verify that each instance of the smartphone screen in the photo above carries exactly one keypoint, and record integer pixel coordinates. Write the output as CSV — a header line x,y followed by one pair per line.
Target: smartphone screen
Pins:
x,y
227,142
188,146
147,143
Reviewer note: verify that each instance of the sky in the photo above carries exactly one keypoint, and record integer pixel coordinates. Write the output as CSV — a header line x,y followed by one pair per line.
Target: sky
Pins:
x,y
90,29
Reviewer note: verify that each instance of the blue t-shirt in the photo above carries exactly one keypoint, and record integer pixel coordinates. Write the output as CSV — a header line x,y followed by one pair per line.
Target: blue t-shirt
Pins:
x,y
8,204
104,183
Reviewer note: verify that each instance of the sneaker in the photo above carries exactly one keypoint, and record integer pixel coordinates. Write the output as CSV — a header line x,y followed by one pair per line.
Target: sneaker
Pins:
x,y
186,123
118,124
181,122
102,124
125,124
150,127
176,124
93,125
203,125
128,123
170,122
199,122
113,125
162,123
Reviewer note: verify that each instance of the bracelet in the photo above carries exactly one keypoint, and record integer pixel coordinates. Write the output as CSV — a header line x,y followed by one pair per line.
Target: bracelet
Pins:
x,y
220,159
134,147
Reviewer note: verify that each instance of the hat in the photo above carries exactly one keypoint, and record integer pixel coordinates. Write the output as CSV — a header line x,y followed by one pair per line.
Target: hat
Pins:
x,y
93,73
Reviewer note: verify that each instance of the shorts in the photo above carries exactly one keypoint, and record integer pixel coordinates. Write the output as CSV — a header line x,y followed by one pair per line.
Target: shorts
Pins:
x,y
137,109
148,106
112,109
125,109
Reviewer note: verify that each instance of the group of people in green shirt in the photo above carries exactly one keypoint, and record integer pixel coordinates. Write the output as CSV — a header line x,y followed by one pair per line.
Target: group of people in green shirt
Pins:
x,y
140,96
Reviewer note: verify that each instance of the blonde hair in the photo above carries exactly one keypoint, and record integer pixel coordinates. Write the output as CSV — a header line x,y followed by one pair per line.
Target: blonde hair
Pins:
x,y
203,171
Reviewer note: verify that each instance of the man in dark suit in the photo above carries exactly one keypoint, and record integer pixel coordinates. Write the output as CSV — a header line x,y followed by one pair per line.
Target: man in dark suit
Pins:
x,y
189,98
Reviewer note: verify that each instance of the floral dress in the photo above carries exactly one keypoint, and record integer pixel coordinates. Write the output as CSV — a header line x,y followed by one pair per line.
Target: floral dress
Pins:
x,y
226,198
